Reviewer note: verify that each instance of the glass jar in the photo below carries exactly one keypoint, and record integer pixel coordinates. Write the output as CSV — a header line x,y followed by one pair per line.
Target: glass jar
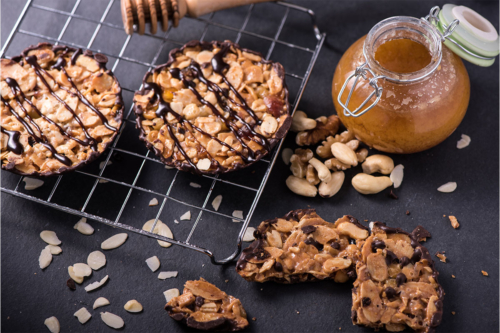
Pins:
x,y
399,112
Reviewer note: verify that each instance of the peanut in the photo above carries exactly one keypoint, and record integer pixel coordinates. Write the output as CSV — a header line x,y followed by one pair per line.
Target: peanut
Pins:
x,y
344,154
330,188
301,186
367,184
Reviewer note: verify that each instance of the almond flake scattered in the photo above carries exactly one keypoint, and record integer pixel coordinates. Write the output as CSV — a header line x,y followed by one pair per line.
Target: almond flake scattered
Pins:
x,y
194,185
54,249
133,306
52,324
83,315
216,202
484,273
453,276
160,229
103,181
171,293
97,284
175,221
286,155
463,142
397,175
448,187
83,227
203,164
32,183
169,167
238,214
82,270
167,275
103,163
45,258
77,279
248,236
153,202
454,221
112,320
101,301
186,216
441,257
153,263
96,260
50,237
114,241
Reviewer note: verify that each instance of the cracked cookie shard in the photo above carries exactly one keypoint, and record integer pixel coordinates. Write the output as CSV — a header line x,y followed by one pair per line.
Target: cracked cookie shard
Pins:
x,y
302,246
213,107
60,109
397,285
205,307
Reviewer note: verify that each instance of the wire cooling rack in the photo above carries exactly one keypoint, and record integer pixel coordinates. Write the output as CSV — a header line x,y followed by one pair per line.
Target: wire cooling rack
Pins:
x,y
99,177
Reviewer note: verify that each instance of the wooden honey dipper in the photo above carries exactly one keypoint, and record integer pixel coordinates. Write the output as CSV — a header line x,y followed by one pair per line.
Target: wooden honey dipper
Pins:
x,y
140,12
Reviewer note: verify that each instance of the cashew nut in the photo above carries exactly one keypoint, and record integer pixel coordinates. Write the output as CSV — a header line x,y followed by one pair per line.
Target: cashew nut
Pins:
x,y
330,188
301,186
344,154
361,154
335,164
286,155
378,163
367,184
312,175
323,172
300,122
297,167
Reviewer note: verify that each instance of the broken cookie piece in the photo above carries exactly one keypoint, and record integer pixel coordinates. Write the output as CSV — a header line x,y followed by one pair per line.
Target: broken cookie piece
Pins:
x,y
397,285
302,246
203,306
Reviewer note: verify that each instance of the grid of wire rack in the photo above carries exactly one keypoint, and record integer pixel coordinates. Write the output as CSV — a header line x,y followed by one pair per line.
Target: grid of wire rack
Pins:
x,y
100,178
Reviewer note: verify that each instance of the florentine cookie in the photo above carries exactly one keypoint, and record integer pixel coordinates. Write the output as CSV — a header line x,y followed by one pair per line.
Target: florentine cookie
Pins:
x,y
397,283
205,307
302,246
60,109
213,107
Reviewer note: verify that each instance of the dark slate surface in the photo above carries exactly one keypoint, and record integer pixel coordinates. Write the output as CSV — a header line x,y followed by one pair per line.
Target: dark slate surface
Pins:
x,y
30,295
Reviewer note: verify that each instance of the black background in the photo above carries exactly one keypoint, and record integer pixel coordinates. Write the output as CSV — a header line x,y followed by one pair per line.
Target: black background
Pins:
x,y
30,295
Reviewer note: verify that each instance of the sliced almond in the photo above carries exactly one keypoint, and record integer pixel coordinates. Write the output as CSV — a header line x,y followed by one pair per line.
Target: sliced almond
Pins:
x,y
32,183
396,175
160,229
54,249
238,214
101,301
45,258
203,164
448,187
463,142
103,163
186,216
286,155
248,236
133,306
194,185
175,221
167,275
83,315
50,237
83,227
153,202
82,270
171,293
112,320
217,201
52,324
97,284
114,241
153,263
96,260
77,279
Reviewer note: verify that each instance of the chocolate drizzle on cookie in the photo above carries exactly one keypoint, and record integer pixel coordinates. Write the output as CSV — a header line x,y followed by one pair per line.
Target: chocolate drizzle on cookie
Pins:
x,y
13,143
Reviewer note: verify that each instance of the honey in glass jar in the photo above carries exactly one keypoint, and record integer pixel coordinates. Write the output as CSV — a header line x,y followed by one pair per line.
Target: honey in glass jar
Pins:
x,y
399,89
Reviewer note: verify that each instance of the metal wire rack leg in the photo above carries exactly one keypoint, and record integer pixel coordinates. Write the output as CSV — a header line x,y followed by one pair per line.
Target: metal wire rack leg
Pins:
x,y
320,37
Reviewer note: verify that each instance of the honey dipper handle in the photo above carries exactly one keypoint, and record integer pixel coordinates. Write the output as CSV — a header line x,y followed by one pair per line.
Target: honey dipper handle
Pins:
x,y
196,8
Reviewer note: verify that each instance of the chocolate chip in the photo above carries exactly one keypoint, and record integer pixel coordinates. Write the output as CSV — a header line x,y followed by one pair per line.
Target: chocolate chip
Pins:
x,y
278,267
390,258
311,241
400,279
378,244
335,245
352,274
407,212
199,301
88,53
390,293
393,195
421,234
308,229
101,58
417,255
354,316
366,301
403,262
71,284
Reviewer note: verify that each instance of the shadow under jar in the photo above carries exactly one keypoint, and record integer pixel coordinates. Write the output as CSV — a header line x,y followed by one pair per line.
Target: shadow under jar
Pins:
x,y
423,87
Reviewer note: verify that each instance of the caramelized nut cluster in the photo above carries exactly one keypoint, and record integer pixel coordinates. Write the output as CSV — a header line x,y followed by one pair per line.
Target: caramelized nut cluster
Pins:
x,y
397,283
60,109
203,306
213,107
302,246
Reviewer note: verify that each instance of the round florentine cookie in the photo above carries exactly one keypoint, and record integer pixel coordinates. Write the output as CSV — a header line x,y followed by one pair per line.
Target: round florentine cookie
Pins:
x,y
60,109
213,107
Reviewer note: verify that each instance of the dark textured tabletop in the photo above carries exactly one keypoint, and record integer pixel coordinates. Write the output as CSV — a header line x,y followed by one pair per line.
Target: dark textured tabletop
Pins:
x,y
29,295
